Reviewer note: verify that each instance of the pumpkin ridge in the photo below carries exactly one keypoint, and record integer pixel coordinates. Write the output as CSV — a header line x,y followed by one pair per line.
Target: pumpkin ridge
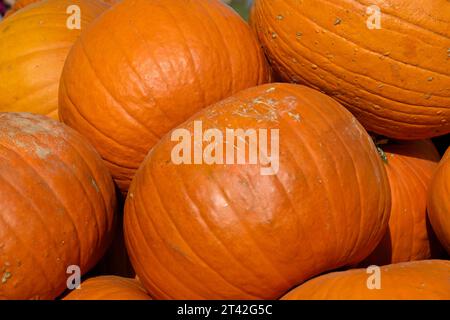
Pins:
x,y
360,45
188,51
380,95
370,92
182,237
65,46
225,44
56,198
30,94
91,173
308,150
92,126
245,228
30,252
136,31
219,240
312,104
156,257
405,21
136,262
144,87
126,112
31,205
345,146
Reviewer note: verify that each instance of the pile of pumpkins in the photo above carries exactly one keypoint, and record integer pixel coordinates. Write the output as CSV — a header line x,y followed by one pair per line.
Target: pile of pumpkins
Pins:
x,y
93,90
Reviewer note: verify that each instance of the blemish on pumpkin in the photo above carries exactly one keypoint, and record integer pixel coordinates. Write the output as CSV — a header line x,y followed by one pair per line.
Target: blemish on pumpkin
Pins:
x,y
42,153
272,89
274,35
280,17
427,96
131,195
338,21
294,116
298,35
314,66
6,275
430,79
94,184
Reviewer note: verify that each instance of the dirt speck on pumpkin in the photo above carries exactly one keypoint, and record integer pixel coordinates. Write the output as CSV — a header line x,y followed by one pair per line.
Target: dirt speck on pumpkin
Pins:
x,y
6,276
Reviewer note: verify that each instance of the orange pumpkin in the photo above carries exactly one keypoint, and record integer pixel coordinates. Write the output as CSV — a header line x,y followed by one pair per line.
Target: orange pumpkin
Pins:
x,y
410,167
20,4
162,66
34,44
395,80
248,231
109,288
57,205
439,201
418,280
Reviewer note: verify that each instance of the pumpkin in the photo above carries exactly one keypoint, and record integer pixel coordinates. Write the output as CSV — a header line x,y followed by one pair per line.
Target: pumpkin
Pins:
x,y
417,280
410,167
57,205
162,66
109,288
20,4
33,46
253,230
395,80
439,201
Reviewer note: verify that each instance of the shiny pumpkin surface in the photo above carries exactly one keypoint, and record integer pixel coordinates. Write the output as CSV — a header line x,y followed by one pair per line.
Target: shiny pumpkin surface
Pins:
x,y
395,79
410,167
34,44
57,206
439,201
162,66
221,231
418,280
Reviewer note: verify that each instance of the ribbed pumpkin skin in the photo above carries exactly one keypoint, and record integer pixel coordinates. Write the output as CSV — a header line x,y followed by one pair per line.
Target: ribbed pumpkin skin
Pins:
x,y
439,201
34,44
162,66
410,167
20,4
228,232
395,80
417,280
109,288
57,206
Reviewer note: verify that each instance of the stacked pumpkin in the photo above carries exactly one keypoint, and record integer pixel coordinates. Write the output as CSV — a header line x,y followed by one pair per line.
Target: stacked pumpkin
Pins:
x,y
229,186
